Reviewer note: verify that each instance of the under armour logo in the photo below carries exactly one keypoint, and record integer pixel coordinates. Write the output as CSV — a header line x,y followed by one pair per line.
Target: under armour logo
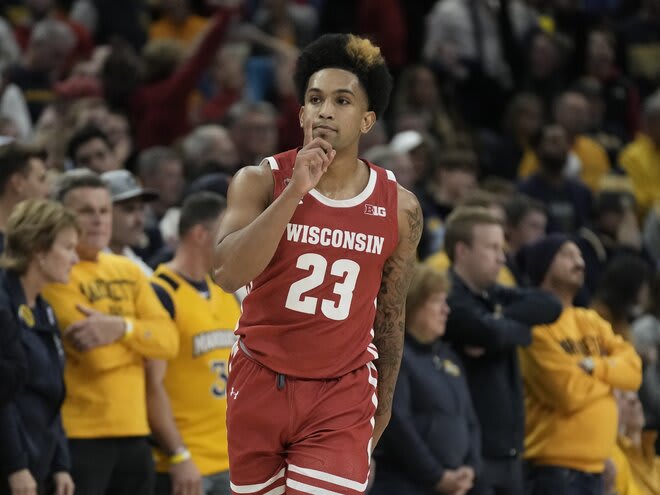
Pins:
x,y
234,393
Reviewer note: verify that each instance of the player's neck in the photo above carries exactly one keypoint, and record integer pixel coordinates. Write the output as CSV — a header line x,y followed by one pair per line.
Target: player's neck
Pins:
x,y
345,178
189,264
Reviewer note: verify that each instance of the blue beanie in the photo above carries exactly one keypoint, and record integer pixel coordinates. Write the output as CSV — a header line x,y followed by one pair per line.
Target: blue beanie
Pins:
x,y
539,256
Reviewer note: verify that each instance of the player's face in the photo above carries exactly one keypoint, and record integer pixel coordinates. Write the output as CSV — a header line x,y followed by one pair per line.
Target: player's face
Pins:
x,y
337,105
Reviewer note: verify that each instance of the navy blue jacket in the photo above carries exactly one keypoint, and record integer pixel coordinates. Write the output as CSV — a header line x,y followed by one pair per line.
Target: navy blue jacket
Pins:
x,y
31,433
433,426
498,321
13,365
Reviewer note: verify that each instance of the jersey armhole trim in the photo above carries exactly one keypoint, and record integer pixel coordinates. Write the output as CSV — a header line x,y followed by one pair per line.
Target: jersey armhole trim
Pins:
x,y
390,175
272,162
169,280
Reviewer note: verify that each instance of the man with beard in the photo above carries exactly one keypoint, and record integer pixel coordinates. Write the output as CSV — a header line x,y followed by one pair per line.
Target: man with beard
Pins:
x,y
568,200
570,372
128,214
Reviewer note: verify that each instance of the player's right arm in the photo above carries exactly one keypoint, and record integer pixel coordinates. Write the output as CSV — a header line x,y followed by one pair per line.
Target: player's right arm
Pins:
x,y
253,223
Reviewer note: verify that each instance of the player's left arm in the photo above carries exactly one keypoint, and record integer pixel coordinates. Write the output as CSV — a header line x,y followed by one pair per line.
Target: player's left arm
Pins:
x,y
389,325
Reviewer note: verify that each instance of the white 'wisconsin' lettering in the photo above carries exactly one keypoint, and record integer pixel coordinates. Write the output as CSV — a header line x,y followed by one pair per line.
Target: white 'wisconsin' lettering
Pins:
x,y
345,239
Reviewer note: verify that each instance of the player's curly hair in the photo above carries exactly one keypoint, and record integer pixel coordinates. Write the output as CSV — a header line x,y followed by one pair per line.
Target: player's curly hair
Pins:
x,y
350,53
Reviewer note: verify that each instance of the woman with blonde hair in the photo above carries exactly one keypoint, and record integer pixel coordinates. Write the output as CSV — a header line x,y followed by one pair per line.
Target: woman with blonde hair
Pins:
x,y
41,238
432,444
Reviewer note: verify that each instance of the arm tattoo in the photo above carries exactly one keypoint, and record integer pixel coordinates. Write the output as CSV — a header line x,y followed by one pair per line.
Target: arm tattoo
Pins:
x,y
415,224
389,325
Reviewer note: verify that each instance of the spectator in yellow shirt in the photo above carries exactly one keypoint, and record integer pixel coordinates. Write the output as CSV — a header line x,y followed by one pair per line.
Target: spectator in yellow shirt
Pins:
x,y
569,372
641,158
587,160
187,395
638,445
111,321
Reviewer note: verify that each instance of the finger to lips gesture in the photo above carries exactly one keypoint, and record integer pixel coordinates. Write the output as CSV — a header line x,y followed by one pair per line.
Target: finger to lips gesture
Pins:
x,y
312,161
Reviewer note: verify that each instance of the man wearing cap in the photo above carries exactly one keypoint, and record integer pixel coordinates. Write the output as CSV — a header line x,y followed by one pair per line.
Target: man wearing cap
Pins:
x,y
111,321
128,214
569,373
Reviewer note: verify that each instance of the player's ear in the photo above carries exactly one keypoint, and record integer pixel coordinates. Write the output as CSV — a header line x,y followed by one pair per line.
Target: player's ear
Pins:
x,y
368,121
301,112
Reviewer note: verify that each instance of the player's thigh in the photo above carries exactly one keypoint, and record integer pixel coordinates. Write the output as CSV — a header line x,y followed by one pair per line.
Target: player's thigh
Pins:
x,y
257,418
333,451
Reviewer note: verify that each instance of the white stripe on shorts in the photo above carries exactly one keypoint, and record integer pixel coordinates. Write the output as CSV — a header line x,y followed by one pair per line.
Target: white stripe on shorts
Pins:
x,y
329,478
257,487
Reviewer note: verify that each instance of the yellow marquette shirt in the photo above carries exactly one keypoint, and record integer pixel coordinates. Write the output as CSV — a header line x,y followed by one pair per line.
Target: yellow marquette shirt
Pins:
x,y
196,378
571,417
106,386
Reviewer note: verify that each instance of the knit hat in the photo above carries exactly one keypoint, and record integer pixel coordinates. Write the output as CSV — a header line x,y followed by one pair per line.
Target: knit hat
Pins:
x,y
539,256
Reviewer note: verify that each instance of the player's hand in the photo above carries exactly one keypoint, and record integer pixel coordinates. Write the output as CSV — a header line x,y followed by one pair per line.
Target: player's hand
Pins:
x,y
63,483
22,483
186,479
381,422
96,330
312,161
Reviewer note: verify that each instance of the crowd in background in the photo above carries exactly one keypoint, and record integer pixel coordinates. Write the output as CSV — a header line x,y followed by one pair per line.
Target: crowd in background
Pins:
x,y
529,131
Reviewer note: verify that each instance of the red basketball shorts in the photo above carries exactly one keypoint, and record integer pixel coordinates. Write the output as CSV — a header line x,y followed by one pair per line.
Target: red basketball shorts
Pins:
x,y
297,436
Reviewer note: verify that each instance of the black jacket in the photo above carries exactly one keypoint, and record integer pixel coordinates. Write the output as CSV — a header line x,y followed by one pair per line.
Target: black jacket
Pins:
x,y
13,365
497,321
31,433
433,426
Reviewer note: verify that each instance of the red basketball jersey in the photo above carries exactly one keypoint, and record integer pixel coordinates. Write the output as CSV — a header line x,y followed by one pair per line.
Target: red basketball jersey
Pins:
x,y
310,313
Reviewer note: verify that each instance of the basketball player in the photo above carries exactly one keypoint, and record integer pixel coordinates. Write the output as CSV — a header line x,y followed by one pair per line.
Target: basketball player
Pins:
x,y
325,243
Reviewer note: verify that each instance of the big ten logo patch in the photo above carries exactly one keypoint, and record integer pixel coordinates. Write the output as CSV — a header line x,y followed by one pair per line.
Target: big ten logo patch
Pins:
x,y
375,211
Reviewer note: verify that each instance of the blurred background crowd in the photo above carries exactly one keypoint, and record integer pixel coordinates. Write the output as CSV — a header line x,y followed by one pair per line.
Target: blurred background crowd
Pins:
x,y
529,131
